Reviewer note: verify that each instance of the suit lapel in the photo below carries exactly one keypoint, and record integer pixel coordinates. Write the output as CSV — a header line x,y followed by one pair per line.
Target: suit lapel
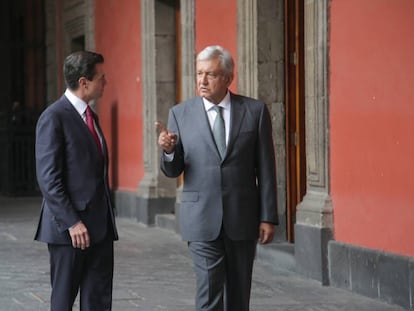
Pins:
x,y
236,119
104,146
74,115
202,124
78,121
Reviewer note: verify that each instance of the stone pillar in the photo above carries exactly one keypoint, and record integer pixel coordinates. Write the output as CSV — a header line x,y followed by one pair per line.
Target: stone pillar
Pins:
x,y
54,79
188,85
90,25
261,75
188,54
314,224
156,193
247,48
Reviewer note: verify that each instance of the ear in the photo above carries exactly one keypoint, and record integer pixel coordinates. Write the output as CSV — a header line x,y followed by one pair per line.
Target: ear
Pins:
x,y
229,79
82,82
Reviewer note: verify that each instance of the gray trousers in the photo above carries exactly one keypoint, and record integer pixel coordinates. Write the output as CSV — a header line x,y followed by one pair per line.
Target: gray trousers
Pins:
x,y
223,270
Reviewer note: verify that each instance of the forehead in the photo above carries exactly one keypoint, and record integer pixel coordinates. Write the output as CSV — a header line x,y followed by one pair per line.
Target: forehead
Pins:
x,y
212,64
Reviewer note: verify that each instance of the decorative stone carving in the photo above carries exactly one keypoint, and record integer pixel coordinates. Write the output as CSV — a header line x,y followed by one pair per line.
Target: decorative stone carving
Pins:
x,y
316,209
313,228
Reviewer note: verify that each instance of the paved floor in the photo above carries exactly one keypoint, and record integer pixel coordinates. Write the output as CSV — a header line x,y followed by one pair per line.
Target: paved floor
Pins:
x,y
152,272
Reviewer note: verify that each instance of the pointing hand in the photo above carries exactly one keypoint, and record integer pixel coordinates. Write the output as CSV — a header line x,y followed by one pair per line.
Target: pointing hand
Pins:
x,y
166,140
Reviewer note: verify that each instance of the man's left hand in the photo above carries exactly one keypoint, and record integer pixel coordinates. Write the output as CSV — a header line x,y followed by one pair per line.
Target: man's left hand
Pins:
x,y
266,232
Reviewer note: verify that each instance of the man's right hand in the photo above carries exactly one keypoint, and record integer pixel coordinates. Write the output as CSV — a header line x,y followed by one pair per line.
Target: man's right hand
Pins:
x,y
167,140
80,236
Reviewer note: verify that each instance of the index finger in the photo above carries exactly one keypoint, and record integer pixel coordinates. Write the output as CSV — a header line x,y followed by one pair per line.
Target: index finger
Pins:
x,y
160,126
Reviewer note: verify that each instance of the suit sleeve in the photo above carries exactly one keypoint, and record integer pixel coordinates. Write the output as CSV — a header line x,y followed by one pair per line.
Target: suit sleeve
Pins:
x,y
50,165
266,169
175,167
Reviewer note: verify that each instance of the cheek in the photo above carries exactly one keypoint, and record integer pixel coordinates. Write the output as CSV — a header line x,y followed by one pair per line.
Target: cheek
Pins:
x,y
213,86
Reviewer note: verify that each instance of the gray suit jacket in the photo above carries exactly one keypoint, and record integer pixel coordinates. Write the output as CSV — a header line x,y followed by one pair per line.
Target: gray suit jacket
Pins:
x,y
72,175
236,193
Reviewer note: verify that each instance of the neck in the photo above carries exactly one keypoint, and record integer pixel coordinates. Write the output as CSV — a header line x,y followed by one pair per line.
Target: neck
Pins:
x,y
81,95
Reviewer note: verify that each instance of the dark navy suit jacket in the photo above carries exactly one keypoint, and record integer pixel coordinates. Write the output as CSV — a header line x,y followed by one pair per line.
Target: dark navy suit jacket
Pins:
x,y
72,176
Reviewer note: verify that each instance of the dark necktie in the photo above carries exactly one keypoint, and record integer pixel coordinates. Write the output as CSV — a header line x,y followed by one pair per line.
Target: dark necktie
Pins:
x,y
219,131
91,126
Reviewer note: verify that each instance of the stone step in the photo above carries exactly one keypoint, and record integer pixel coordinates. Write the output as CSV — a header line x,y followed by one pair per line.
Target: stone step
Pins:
x,y
279,256
166,221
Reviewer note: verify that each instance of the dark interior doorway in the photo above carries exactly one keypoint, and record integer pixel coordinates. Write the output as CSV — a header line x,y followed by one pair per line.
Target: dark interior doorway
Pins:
x,y
22,91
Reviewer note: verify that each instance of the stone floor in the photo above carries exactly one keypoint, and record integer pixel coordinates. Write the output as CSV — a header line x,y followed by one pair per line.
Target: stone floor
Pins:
x,y
152,272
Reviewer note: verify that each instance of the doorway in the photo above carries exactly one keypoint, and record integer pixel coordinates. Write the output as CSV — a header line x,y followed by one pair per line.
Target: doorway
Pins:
x,y
22,93
295,111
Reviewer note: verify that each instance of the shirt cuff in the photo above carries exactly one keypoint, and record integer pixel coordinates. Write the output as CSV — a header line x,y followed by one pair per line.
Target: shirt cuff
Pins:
x,y
168,157
75,225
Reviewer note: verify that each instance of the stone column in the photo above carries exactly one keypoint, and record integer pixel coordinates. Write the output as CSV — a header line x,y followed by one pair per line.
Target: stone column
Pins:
x,y
188,85
313,227
247,83
156,193
261,75
90,25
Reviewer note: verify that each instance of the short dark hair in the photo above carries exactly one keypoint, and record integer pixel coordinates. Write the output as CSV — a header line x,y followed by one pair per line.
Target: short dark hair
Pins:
x,y
80,64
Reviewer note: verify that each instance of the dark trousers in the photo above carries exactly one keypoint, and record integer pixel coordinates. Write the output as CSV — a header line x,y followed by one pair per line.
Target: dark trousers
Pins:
x,y
223,270
89,271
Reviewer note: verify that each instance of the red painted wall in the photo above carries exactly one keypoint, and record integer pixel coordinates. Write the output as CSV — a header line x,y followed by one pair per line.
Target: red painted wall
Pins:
x,y
372,123
216,24
118,38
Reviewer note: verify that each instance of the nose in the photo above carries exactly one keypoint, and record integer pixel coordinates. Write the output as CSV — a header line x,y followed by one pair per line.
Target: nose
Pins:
x,y
203,79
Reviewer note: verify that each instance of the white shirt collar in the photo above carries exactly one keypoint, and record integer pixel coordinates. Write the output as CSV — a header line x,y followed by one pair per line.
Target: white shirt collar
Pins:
x,y
78,103
225,103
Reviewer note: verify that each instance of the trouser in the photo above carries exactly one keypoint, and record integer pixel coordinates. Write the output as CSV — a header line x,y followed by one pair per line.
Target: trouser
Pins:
x,y
223,270
89,271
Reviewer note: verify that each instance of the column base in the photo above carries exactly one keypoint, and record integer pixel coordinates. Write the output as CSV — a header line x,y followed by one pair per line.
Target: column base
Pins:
x,y
131,205
311,252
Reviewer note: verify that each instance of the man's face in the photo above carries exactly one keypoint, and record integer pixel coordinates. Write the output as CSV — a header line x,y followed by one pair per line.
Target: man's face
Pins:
x,y
212,84
95,87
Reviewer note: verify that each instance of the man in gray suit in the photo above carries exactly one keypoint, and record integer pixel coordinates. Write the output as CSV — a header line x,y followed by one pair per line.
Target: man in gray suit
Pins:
x,y
77,218
223,144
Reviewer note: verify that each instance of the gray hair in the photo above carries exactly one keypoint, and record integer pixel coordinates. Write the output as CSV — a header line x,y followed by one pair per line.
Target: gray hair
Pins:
x,y
216,51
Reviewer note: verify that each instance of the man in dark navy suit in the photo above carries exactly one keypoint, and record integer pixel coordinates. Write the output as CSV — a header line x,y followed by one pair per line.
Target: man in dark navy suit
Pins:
x,y
77,218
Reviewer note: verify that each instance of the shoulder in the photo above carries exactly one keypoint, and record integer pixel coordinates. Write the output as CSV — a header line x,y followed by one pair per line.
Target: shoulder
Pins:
x,y
245,99
60,105
248,103
187,104
55,111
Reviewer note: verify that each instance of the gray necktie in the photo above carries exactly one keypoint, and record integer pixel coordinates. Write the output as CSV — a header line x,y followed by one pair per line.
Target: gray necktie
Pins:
x,y
219,131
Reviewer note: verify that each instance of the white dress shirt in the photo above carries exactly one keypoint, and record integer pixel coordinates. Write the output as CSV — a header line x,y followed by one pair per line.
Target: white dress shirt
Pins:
x,y
211,115
80,107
